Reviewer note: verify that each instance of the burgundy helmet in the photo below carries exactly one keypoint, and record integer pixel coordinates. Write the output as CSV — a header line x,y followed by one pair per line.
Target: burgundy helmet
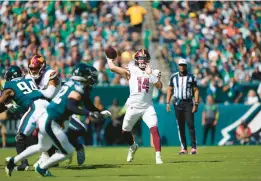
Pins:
x,y
142,57
36,66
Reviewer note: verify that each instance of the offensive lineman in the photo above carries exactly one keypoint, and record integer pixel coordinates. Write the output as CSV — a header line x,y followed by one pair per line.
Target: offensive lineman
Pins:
x,y
49,84
142,79
62,106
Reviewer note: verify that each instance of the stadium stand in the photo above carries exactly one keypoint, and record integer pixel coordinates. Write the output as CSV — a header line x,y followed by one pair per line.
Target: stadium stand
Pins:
x,y
65,33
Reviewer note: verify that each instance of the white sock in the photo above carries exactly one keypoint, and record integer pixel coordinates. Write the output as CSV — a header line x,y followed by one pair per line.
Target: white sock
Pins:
x,y
158,153
31,150
133,146
55,158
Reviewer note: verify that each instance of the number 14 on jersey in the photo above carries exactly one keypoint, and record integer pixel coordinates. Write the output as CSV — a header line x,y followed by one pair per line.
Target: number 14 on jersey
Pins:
x,y
143,84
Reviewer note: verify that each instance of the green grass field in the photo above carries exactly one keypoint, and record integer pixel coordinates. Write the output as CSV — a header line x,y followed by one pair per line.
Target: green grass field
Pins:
x,y
238,163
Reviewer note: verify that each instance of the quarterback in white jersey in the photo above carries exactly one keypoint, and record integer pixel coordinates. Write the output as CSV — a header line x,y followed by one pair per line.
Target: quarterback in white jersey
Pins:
x,y
142,80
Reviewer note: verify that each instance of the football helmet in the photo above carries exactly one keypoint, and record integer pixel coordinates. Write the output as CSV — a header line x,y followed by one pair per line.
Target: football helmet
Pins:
x,y
13,72
142,57
36,66
85,73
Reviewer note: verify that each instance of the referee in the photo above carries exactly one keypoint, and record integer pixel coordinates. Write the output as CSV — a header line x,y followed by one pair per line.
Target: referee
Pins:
x,y
184,86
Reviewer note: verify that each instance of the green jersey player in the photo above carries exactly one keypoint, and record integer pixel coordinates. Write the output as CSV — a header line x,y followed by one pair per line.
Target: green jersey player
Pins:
x,y
24,93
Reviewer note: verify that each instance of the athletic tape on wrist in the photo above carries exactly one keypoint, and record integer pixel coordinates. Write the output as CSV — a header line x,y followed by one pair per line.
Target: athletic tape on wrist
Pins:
x,y
109,60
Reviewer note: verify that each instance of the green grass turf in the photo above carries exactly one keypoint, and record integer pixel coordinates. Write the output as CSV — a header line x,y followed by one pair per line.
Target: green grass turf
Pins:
x,y
238,163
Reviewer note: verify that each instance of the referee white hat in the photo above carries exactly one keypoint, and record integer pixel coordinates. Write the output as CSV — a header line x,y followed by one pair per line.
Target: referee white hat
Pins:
x,y
182,61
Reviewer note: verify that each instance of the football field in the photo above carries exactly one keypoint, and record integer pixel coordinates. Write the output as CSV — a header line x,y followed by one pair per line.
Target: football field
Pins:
x,y
237,163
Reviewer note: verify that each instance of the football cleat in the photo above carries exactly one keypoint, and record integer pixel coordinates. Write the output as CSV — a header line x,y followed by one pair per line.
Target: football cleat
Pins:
x,y
131,153
193,151
159,160
183,152
10,165
43,172
80,156
69,161
43,157
22,167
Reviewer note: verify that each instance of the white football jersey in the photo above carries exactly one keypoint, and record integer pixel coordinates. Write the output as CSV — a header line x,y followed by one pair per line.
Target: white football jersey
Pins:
x,y
141,88
46,77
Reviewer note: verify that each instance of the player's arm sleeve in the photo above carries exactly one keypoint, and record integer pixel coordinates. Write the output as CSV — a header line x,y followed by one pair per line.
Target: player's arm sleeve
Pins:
x,y
49,91
73,105
89,105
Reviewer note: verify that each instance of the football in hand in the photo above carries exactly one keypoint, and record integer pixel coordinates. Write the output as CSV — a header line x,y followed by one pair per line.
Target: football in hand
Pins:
x,y
111,53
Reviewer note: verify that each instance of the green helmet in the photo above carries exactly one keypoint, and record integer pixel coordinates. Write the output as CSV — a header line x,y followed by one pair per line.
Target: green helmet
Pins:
x,y
13,72
85,73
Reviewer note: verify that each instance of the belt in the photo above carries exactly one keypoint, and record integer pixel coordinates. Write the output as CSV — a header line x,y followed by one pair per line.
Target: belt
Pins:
x,y
182,100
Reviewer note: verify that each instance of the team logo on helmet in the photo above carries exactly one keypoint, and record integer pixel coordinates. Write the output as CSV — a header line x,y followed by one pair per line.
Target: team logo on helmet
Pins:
x,y
142,57
36,66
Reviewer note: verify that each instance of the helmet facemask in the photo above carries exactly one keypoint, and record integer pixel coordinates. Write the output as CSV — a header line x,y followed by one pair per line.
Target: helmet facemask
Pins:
x,y
141,62
35,72
36,66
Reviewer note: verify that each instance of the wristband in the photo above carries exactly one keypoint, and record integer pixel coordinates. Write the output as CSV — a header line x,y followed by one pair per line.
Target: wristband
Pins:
x,y
196,103
167,103
109,60
153,78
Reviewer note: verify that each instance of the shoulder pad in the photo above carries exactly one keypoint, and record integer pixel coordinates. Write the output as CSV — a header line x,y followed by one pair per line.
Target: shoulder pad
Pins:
x,y
79,87
27,76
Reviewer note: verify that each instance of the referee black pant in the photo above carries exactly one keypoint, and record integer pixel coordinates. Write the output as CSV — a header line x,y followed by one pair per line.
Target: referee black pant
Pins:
x,y
184,113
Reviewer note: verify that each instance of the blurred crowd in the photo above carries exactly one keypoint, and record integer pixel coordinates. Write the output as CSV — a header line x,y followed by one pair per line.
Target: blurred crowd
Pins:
x,y
67,32
220,40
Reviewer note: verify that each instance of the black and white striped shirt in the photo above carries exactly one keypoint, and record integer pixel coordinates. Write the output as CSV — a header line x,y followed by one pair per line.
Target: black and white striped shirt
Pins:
x,y
183,85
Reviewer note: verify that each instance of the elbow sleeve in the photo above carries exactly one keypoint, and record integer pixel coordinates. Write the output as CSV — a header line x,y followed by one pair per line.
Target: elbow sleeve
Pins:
x,y
49,92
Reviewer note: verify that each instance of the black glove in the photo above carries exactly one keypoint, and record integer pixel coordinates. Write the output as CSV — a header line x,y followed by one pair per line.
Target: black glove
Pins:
x,y
96,115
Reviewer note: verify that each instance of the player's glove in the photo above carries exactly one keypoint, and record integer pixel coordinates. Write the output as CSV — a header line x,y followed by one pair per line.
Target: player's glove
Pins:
x,y
12,108
96,115
157,73
106,113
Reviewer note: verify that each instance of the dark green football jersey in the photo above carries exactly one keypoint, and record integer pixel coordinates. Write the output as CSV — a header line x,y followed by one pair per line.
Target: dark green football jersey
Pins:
x,y
25,91
57,109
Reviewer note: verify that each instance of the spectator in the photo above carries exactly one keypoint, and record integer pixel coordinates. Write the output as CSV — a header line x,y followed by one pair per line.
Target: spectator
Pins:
x,y
136,13
240,73
256,76
209,119
227,74
234,91
252,98
113,130
97,123
212,89
259,91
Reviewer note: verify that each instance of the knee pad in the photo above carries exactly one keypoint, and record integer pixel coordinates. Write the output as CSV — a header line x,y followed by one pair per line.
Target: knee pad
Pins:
x,y
20,137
